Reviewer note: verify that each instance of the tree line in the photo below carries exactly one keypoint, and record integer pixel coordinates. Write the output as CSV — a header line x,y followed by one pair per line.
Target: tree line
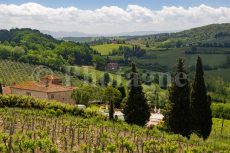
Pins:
x,y
31,46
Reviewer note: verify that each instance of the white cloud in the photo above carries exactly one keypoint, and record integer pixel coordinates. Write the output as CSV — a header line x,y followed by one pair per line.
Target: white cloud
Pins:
x,y
109,19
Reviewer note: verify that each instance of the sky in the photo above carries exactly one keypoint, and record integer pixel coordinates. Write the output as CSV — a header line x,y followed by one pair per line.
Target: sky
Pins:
x,y
112,16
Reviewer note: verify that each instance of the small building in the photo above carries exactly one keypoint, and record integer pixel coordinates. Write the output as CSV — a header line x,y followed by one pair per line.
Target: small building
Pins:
x,y
155,119
112,67
48,88
114,41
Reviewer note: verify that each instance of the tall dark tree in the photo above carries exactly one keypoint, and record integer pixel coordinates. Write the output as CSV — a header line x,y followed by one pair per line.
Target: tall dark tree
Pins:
x,y
178,116
114,83
200,104
156,78
106,79
1,90
165,81
136,109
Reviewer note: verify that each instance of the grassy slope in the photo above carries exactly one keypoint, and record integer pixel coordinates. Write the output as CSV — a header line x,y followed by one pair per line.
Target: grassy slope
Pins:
x,y
96,74
105,49
170,56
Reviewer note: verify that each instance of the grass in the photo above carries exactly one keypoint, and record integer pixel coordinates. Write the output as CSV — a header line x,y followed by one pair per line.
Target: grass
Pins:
x,y
105,49
221,73
170,56
216,138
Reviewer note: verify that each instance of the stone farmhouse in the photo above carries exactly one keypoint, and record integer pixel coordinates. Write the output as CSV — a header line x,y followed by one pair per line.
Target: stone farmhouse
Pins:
x,y
49,88
112,67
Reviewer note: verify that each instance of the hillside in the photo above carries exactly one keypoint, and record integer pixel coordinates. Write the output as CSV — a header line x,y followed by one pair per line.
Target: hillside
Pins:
x,y
215,35
30,39
31,46
106,49
55,127
17,72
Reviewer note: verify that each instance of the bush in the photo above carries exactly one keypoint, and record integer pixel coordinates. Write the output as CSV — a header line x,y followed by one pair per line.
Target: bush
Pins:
x,y
221,110
55,107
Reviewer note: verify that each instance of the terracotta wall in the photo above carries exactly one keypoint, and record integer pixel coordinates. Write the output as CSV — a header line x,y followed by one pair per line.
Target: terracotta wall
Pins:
x,y
64,96
36,94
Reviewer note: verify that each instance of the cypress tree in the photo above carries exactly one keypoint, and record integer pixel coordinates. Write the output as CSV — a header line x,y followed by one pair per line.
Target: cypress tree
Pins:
x,y
106,79
178,116
136,110
1,90
156,78
200,104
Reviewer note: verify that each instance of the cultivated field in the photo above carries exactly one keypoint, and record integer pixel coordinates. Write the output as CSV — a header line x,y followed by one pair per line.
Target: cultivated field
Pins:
x,y
105,49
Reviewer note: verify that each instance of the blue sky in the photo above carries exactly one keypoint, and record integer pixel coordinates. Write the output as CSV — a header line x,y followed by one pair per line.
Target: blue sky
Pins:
x,y
93,4
112,16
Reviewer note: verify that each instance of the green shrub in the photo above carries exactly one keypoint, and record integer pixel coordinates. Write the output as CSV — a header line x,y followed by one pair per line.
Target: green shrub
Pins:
x,y
221,110
53,107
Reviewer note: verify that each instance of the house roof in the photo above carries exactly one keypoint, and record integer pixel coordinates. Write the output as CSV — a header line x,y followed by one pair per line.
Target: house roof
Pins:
x,y
50,77
42,87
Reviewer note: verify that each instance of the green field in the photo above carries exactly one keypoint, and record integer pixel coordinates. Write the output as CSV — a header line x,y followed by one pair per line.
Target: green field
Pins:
x,y
221,73
170,56
105,49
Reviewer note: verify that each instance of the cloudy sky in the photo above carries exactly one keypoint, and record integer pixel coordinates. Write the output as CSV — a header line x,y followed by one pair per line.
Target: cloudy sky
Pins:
x,y
112,16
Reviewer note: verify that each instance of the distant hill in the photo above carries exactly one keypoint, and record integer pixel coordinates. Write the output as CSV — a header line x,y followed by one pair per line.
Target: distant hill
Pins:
x,y
214,35
75,34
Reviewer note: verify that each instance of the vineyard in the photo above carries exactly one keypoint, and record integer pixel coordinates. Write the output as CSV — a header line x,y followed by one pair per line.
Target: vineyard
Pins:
x,y
40,131
17,72
11,72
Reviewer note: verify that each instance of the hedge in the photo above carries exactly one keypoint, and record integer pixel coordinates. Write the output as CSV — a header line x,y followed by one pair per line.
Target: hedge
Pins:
x,y
30,102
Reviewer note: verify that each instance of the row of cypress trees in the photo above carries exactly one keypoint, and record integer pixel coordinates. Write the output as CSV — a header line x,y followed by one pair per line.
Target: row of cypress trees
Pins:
x,y
189,109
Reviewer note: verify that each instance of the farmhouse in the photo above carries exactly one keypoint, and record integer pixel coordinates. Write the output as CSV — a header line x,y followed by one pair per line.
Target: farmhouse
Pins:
x,y
48,88
112,67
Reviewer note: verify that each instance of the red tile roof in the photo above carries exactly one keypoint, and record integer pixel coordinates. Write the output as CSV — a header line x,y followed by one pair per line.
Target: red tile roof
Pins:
x,y
42,87
50,77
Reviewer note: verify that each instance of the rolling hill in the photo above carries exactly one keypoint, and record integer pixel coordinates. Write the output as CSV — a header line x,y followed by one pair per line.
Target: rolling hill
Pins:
x,y
217,35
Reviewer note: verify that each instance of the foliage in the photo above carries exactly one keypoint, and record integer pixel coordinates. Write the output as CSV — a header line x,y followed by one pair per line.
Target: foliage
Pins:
x,y
214,35
201,117
111,95
85,94
106,79
29,102
221,110
122,91
24,130
178,116
31,46
136,109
